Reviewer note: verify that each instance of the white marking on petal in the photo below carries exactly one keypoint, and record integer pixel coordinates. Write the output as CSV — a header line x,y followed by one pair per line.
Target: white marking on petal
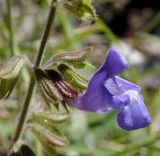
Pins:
x,y
115,88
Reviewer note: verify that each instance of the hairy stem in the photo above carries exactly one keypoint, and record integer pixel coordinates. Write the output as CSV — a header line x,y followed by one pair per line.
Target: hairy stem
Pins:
x,y
27,100
10,27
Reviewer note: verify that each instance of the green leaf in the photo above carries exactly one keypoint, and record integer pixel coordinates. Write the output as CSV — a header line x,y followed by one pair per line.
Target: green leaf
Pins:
x,y
51,137
71,76
81,8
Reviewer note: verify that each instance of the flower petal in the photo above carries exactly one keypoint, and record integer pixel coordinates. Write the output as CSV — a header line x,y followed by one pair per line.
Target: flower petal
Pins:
x,y
115,63
135,114
117,86
119,101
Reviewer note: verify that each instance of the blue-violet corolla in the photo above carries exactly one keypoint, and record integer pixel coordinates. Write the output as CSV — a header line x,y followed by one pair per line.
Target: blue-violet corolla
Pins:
x,y
106,92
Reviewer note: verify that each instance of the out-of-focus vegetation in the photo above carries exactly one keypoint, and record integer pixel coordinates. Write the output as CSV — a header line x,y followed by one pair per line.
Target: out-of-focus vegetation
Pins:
x,y
130,25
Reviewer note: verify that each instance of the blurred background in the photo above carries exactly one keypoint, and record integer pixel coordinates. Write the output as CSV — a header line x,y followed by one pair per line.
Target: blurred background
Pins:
x,y
132,26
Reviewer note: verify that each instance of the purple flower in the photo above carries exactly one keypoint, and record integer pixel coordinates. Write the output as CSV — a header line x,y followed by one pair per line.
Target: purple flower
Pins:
x,y
106,91
127,98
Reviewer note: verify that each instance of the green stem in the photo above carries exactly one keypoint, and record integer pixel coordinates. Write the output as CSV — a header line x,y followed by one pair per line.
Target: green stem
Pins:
x,y
10,27
46,32
32,81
